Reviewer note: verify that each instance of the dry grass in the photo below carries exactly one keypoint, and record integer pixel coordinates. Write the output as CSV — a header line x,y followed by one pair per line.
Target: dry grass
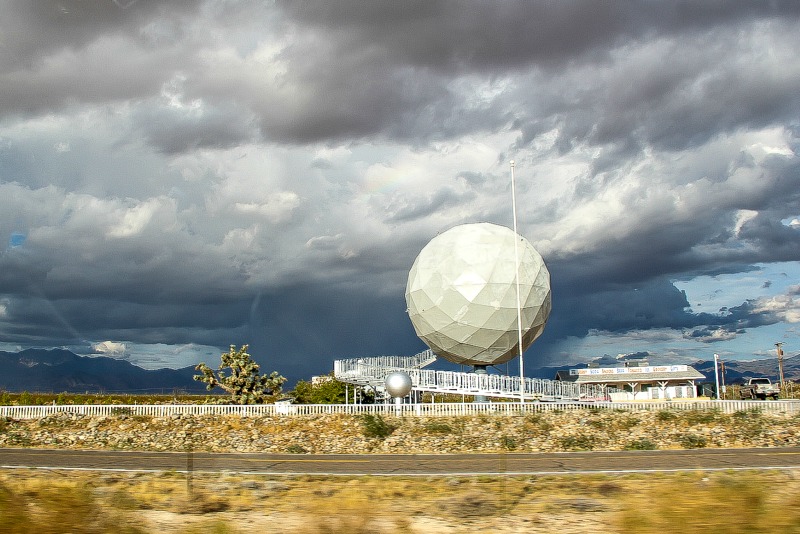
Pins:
x,y
37,501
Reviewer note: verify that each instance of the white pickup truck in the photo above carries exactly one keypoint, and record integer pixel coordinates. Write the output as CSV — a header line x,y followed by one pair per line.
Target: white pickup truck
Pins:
x,y
759,388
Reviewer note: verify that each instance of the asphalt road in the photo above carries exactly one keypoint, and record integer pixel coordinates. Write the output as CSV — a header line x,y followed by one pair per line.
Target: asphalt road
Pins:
x,y
407,464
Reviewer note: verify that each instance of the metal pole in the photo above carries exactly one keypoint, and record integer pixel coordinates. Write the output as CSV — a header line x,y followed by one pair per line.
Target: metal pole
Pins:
x,y
516,278
716,373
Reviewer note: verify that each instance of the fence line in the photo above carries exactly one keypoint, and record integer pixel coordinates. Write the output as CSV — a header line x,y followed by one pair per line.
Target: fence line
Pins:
x,y
430,410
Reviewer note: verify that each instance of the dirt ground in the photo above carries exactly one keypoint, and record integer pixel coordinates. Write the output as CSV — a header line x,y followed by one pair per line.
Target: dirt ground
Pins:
x,y
61,501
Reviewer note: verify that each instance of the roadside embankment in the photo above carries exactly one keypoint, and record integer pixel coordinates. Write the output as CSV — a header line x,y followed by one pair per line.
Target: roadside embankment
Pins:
x,y
357,434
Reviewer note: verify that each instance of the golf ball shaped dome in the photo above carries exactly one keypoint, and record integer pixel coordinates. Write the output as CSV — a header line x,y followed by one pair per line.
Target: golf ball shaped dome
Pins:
x,y
462,299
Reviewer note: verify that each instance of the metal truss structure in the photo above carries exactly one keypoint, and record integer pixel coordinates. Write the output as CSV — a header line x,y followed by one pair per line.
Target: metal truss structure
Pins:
x,y
372,372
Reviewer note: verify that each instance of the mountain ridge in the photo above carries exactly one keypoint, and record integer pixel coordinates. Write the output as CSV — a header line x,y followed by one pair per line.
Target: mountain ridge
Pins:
x,y
60,370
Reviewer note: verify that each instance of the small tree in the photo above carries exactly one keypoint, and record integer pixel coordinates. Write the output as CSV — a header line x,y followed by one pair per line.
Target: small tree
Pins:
x,y
328,390
244,382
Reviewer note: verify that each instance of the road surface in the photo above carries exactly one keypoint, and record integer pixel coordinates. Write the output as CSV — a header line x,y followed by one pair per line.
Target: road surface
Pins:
x,y
407,464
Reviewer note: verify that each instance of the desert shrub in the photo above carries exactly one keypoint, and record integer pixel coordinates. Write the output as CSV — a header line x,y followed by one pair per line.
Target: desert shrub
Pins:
x,y
17,438
56,509
734,505
642,444
294,448
438,427
597,423
666,415
695,417
508,443
750,424
13,513
537,423
692,441
579,442
375,426
626,422
747,415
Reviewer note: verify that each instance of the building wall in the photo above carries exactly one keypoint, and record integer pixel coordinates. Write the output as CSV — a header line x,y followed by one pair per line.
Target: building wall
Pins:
x,y
648,392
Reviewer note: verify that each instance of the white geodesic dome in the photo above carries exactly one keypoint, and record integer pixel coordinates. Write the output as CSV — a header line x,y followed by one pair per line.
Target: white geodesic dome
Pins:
x,y
462,299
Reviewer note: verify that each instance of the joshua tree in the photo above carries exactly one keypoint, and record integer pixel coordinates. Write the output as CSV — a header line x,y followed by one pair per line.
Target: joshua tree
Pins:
x,y
243,380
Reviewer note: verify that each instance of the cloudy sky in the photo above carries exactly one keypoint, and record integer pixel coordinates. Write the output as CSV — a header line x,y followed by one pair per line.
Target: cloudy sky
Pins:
x,y
176,177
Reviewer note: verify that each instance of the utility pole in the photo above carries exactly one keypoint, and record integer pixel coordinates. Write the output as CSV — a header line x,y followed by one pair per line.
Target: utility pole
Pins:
x,y
722,373
716,373
779,348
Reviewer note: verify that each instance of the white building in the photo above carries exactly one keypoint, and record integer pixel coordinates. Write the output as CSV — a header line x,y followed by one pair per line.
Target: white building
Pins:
x,y
640,381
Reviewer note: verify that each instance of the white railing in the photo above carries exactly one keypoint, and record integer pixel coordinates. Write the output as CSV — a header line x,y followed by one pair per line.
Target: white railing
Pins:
x,y
356,365
373,371
434,410
725,406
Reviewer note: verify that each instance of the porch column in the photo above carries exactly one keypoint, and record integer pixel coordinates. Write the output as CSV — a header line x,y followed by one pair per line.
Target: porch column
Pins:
x,y
633,388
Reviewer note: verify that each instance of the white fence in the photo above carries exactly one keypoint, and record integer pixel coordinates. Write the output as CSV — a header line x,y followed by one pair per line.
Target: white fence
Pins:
x,y
425,410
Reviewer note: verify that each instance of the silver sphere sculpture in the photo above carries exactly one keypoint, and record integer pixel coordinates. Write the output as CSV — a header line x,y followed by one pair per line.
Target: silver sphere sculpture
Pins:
x,y
462,299
398,384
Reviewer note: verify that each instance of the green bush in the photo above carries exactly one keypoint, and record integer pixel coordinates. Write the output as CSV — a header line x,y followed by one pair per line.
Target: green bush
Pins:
x,y
700,417
508,443
538,424
747,415
597,423
580,442
438,427
692,441
642,444
626,421
374,426
666,415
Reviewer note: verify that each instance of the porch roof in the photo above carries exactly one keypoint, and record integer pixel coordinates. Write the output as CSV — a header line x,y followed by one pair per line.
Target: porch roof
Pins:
x,y
628,378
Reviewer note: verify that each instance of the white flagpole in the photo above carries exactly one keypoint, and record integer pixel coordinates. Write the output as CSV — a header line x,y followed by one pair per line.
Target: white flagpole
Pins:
x,y
516,277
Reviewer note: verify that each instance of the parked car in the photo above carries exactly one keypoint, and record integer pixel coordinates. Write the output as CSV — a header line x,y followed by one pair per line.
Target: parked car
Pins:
x,y
759,388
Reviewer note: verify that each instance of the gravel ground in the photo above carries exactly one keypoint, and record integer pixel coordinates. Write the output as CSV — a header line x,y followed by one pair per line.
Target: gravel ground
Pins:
x,y
335,433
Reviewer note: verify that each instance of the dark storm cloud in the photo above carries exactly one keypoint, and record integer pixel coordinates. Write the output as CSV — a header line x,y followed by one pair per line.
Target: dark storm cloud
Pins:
x,y
358,69
614,89
306,327
243,172
492,36
59,53
654,304
172,130
426,205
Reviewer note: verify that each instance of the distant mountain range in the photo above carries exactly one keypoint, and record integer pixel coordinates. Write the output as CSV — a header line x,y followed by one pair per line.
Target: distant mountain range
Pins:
x,y
57,370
